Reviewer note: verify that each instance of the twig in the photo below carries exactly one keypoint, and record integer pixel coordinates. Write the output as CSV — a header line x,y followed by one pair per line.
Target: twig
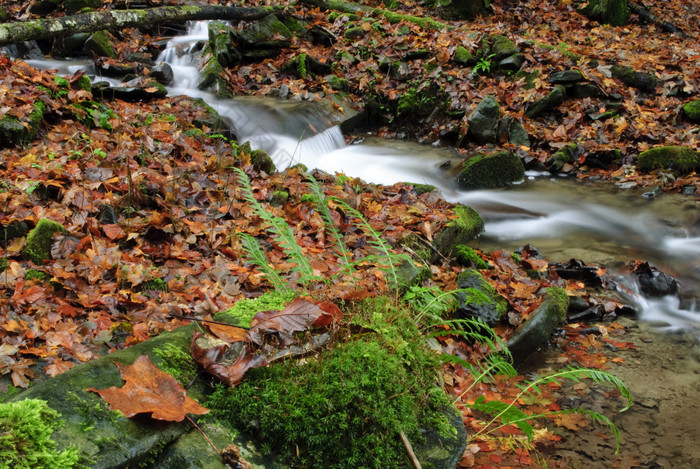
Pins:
x,y
204,435
409,450
209,321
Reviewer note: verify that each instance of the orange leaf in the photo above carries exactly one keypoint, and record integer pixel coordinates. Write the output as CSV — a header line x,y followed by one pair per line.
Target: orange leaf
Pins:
x,y
149,390
113,231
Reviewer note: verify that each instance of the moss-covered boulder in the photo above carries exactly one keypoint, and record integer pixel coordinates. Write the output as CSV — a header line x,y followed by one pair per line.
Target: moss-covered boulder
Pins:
x,y
613,12
548,103
679,159
537,329
264,38
261,161
499,47
478,299
691,110
462,56
630,77
555,163
468,257
489,170
483,121
15,132
221,44
464,9
38,247
213,80
466,226
99,44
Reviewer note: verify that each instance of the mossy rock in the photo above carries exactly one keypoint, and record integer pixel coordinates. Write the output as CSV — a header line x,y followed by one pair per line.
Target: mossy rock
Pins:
x,y
691,110
409,274
267,33
566,77
221,44
468,257
212,119
355,32
479,299
511,131
38,247
44,7
537,329
500,47
679,159
613,12
548,103
464,9
261,161
565,155
99,44
490,170
630,77
466,226
74,6
213,80
13,132
464,57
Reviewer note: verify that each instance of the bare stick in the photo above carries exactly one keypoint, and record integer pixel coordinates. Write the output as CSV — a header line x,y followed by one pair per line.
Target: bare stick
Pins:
x,y
409,450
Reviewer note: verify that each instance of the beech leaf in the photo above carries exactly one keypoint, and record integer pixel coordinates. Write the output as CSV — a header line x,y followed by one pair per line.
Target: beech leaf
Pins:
x,y
298,316
149,390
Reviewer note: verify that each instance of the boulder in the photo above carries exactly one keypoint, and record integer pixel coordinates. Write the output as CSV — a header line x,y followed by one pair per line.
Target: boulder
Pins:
x,y
654,283
263,38
111,68
39,240
511,63
14,132
99,44
483,121
566,77
466,226
489,170
221,44
679,159
136,90
511,131
500,47
478,299
548,103
74,6
466,9
163,74
642,81
213,80
536,330
555,163
462,56
691,110
613,12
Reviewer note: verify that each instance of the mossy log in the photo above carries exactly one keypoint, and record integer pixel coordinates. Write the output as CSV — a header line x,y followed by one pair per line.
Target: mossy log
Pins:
x,y
392,17
48,28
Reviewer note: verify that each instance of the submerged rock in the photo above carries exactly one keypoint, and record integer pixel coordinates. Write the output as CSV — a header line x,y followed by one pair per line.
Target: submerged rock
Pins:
x,y
489,170
653,282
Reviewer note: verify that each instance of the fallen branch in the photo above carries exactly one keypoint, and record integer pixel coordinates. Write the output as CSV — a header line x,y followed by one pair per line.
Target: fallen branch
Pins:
x,y
409,450
48,28
392,17
647,16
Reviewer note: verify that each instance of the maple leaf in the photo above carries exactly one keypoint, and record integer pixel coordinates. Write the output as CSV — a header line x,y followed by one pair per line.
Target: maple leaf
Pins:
x,y
149,390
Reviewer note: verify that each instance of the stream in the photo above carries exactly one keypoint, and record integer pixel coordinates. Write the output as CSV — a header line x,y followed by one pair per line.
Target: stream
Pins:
x,y
564,218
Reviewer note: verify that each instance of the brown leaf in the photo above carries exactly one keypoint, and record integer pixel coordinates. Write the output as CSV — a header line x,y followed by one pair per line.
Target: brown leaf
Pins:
x,y
228,334
300,315
228,363
149,390
113,231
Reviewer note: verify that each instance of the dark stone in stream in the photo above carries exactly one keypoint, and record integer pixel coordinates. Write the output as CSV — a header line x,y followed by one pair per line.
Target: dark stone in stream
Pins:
x,y
653,282
110,68
163,74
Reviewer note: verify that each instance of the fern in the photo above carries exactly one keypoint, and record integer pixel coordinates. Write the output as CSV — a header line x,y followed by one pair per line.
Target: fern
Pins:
x,y
320,201
387,259
257,257
281,231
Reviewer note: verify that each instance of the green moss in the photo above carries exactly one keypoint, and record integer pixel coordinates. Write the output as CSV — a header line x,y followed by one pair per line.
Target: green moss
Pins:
x,y
484,171
468,257
74,6
346,407
679,159
423,22
279,197
33,274
25,437
38,247
156,284
421,189
463,57
242,312
559,295
613,12
4,263
692,110
261,161
100,44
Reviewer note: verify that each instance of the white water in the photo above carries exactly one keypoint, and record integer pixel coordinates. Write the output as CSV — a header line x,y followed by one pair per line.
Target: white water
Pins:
x,y
563,218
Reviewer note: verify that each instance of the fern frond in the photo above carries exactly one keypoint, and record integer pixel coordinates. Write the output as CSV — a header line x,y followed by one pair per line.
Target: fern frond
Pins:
x,y
280,230
257,257
389,258
320,201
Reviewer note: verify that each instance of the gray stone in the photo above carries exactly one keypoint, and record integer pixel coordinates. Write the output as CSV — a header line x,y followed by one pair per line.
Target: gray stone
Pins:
x,y
512,63
163,74
566,77
549,102
512,131
479,300
483,121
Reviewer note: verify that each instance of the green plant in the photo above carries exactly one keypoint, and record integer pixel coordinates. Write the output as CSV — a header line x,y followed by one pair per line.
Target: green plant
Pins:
x,y
483,66
25,437
93,114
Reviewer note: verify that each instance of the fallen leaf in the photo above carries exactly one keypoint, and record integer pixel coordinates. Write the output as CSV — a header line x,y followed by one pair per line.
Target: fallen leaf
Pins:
x,y
149,390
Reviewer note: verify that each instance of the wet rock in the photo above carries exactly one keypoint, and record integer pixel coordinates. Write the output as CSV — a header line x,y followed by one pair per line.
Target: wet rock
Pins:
x,y
483,121
691,110
500,47
556,162
64,46
566,77
443,450
14,132
630,77
512,63
269,33
490,170
136,90
355,32
548,103
613,12
111,68
74,6
679,159
221,44
653,282
212,119
213,80
409,274
584,90
337,83
466,226
24,50
99,44
463,57
604,159
163,74
466,9
537,329
479,299
44,7
511,131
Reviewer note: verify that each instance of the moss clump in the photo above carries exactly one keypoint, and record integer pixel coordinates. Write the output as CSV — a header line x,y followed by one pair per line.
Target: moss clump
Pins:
x,y
613,12
38,248
466,226
13,132
242,312
485,171
25,437
346,407
692,110
279,198
100,45
421,189
463,57
630,77
33,274
156,284
177,362
4,263
679,159
420,101
468,257
261,161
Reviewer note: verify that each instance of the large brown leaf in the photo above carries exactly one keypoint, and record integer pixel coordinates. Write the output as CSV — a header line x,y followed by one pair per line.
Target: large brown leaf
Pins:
x,y
225,361
149,390
298,316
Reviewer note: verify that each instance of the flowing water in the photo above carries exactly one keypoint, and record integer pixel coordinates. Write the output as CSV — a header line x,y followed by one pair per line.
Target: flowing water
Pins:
x,y
563,218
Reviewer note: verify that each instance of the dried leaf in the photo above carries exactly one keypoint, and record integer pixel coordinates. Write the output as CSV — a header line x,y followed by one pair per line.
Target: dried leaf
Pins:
x,y
149,390
300,315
